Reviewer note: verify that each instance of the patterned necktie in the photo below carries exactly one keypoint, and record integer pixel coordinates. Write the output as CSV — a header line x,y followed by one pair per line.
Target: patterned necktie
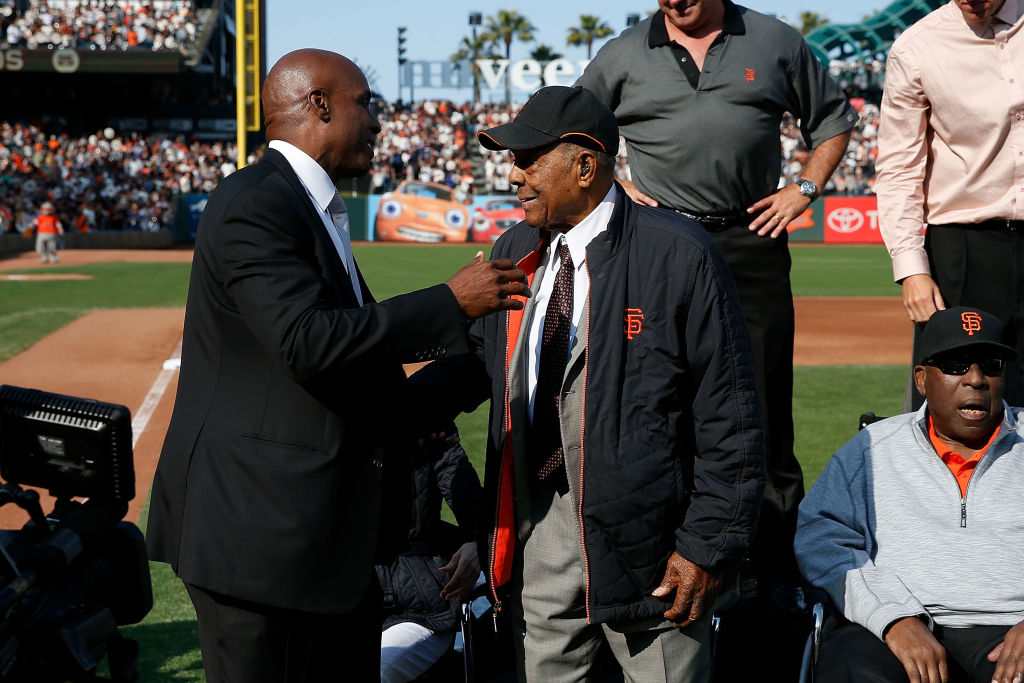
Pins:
x,y
339,216
554,354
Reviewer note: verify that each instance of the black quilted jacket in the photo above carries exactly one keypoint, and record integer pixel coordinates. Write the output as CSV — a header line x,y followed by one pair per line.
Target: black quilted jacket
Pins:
x,y
673,453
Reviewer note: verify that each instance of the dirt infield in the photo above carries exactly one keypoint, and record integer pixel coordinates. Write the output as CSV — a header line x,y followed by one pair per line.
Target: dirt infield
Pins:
x,y
77,257
118,355
851,331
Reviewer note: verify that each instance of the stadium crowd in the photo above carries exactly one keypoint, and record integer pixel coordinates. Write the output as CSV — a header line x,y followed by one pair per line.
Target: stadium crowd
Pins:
x,y
103,181
126,181
859,74
855,174
98,24
428,141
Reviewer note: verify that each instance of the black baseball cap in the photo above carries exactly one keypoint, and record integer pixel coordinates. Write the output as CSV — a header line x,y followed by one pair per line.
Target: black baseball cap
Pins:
x,y
959,328
555,113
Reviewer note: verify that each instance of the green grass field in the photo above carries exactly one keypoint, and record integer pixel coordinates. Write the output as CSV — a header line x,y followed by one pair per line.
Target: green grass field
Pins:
x,y
827,400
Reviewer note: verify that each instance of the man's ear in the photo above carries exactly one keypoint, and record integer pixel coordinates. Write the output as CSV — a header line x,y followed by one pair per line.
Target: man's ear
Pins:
x,y
587,163
919,373
318,101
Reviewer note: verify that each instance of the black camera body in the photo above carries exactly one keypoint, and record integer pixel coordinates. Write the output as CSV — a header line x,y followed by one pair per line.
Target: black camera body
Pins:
x,y
71,577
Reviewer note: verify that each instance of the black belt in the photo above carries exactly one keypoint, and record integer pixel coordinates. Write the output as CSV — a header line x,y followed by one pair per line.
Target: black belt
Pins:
x,y
995,224
719,221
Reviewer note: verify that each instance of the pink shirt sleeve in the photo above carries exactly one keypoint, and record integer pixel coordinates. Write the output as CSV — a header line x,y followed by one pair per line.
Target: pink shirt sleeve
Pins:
x,y
901,166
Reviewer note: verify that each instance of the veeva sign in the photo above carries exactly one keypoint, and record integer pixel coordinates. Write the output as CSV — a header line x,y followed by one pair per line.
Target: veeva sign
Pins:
x,y
523,74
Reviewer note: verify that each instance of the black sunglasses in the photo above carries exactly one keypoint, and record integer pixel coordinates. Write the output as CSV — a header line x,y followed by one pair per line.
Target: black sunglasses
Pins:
x,y
993,367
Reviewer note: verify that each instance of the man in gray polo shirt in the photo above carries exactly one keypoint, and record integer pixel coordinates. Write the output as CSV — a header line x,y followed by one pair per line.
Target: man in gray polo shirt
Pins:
x,y
699,90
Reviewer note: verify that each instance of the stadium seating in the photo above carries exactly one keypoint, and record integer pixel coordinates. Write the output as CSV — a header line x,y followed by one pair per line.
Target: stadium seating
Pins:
x,y
106,180
98,24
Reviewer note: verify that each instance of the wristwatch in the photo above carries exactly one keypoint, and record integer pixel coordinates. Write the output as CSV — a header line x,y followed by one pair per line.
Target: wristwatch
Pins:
x,y
807,188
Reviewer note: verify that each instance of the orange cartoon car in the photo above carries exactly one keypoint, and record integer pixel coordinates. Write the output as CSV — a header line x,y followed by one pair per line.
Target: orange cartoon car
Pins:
x,y
421,212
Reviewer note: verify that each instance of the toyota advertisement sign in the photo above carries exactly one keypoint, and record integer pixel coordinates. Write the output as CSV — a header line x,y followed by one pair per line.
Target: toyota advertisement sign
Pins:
x,y
851,220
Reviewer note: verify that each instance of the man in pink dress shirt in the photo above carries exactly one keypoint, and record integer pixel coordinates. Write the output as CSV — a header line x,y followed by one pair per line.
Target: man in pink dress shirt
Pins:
x,y
951,159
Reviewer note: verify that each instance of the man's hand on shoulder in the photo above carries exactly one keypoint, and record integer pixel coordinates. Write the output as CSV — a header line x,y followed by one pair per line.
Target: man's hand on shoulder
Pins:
x,y
1009,657
636,195
483,287
921,655
695,590
921,297
777,210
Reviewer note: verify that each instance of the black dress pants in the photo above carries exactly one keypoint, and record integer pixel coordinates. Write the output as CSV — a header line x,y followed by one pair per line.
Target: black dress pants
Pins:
x,y
852,654
760,267
246,642
985,268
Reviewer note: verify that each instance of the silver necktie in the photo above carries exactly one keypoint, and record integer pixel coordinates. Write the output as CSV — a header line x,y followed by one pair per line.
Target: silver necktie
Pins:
x,y
339,216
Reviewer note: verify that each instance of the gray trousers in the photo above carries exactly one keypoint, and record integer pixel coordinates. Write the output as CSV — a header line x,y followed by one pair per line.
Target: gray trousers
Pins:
x,y
554,642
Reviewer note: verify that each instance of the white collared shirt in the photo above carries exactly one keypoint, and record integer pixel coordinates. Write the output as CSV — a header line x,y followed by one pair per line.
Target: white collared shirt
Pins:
x,y
321,190
577,239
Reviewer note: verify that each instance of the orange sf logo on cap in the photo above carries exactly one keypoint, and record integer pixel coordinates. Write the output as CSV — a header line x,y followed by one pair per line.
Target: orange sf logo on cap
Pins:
x,y
972,322
749,75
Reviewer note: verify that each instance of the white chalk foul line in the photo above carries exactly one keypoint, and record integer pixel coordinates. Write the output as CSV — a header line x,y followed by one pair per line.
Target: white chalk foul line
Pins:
x,y
156,392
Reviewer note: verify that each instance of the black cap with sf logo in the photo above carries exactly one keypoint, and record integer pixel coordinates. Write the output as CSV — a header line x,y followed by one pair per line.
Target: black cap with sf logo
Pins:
x,y
962,327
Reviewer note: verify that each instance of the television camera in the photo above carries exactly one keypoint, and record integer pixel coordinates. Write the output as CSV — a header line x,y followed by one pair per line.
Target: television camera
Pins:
x,y
69,578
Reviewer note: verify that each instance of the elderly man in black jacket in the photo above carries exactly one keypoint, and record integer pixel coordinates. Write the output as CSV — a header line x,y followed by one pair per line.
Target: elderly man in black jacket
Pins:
x,y
625,453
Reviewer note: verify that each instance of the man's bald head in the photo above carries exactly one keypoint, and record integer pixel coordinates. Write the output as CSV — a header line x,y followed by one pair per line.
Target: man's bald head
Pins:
x,y
287,87
317,100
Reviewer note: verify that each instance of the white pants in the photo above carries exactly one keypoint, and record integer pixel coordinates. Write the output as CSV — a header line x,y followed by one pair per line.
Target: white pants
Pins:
x,y
407,650
46,246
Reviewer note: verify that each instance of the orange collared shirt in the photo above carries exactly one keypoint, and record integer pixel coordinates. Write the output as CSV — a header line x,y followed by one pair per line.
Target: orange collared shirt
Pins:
x,y
961,469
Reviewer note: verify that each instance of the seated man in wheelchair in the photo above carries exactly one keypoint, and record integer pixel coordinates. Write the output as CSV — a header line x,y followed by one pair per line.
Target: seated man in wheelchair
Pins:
x,y
916,526
423,586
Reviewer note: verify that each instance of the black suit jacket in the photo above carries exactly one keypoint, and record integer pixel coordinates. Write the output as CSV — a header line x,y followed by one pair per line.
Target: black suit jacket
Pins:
x,y
283,448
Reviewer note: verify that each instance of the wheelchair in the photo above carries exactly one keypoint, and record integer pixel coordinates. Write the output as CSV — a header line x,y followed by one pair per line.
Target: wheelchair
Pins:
x,y
482,649
813,645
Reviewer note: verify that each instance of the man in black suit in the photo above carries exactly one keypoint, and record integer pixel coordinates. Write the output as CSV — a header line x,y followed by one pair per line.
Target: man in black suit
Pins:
x,y
282,463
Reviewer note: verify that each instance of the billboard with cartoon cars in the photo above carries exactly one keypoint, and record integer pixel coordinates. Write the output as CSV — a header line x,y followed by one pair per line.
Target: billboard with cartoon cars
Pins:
x,y
421,212
495,217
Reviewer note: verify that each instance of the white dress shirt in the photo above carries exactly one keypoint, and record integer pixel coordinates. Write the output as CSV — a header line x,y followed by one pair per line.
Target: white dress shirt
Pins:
x,y
577,240
322,192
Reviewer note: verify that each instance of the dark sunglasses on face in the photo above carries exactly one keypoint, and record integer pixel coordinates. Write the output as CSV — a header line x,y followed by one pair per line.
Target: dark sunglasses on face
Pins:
x,y
993,367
